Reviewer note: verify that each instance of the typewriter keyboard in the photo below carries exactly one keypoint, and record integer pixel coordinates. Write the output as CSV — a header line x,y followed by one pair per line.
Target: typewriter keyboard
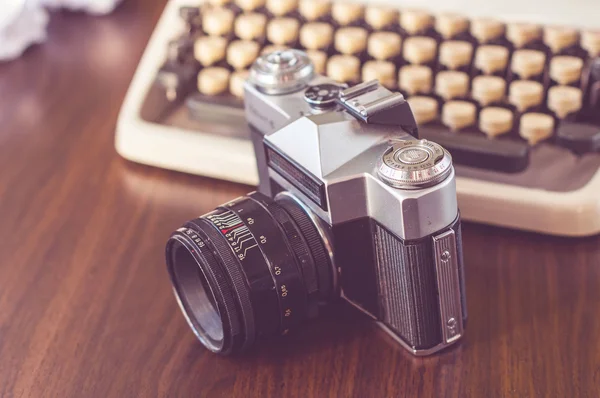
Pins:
x,y
508,100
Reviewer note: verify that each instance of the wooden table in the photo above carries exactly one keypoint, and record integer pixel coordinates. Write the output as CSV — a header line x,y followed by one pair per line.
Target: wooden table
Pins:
x,y
86,308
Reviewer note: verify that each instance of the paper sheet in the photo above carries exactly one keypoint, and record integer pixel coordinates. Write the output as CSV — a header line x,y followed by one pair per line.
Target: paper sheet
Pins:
x,y
24,22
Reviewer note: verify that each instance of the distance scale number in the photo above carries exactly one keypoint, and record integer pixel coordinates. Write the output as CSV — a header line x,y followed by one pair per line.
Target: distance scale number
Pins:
x,y
251,232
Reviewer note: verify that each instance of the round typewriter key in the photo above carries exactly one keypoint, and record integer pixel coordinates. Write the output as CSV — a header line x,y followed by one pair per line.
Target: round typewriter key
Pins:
x,y
281,7
425,109
495,121
415,79
559,38
346,13
415,21
316,35
565,69
535,127
563,100
451,84
283,30
455,54
351,40
490,59
250,5
312,10
450,25
458,114
272,48
236,82
213,80
419,49
217,21
379,17
488,89
384,71
590,41
319,60
486,29
528,63
344,68
209,50
241,53
250,26
521,34
524,94
384,45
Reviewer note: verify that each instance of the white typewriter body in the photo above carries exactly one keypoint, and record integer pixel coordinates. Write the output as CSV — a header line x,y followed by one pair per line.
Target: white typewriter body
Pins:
x,y
574,213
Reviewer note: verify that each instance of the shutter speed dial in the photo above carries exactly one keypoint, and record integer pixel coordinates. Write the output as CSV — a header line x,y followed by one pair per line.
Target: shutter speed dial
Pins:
x,y
414,164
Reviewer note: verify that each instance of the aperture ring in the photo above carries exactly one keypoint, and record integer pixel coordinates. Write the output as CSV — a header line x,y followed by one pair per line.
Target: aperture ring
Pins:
x,y
243,243
287,277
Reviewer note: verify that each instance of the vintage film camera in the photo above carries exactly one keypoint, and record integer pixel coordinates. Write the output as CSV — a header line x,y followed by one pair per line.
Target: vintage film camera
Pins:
x,y
350,203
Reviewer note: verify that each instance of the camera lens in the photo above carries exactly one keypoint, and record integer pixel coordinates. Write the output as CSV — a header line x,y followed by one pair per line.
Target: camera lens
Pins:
x,y
254,267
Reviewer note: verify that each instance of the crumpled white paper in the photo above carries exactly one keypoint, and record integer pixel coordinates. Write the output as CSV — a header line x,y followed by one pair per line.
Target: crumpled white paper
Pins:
x,y
28,26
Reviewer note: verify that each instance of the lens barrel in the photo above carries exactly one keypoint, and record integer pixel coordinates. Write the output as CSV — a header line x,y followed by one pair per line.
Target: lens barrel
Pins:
x,y
253,267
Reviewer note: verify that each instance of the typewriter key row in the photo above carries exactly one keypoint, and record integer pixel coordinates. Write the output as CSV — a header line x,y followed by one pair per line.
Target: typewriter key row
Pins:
x,y
387,46
459,116
218,19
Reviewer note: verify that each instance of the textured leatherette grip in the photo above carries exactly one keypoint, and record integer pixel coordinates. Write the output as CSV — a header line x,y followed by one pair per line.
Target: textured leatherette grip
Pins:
x,y
407,288
407,285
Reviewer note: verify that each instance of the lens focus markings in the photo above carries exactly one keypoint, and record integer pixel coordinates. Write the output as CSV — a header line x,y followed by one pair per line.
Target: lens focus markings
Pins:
x,y
244,246
237,233
284,272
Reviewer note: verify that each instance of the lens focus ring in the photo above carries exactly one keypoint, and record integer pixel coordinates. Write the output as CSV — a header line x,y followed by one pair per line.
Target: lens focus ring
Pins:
x,y
279,260
314,241
301,250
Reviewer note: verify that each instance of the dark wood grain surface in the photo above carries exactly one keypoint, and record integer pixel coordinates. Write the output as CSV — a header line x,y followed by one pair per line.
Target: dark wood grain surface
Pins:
x,y
86,308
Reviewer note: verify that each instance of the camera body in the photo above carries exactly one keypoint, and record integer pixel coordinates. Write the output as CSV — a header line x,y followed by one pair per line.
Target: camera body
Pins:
x,y
383,201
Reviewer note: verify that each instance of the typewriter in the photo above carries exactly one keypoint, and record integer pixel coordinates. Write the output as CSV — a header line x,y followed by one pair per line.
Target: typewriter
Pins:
x,y
512,90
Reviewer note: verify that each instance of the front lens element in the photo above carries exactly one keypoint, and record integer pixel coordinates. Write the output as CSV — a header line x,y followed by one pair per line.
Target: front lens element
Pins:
x,y
197,297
